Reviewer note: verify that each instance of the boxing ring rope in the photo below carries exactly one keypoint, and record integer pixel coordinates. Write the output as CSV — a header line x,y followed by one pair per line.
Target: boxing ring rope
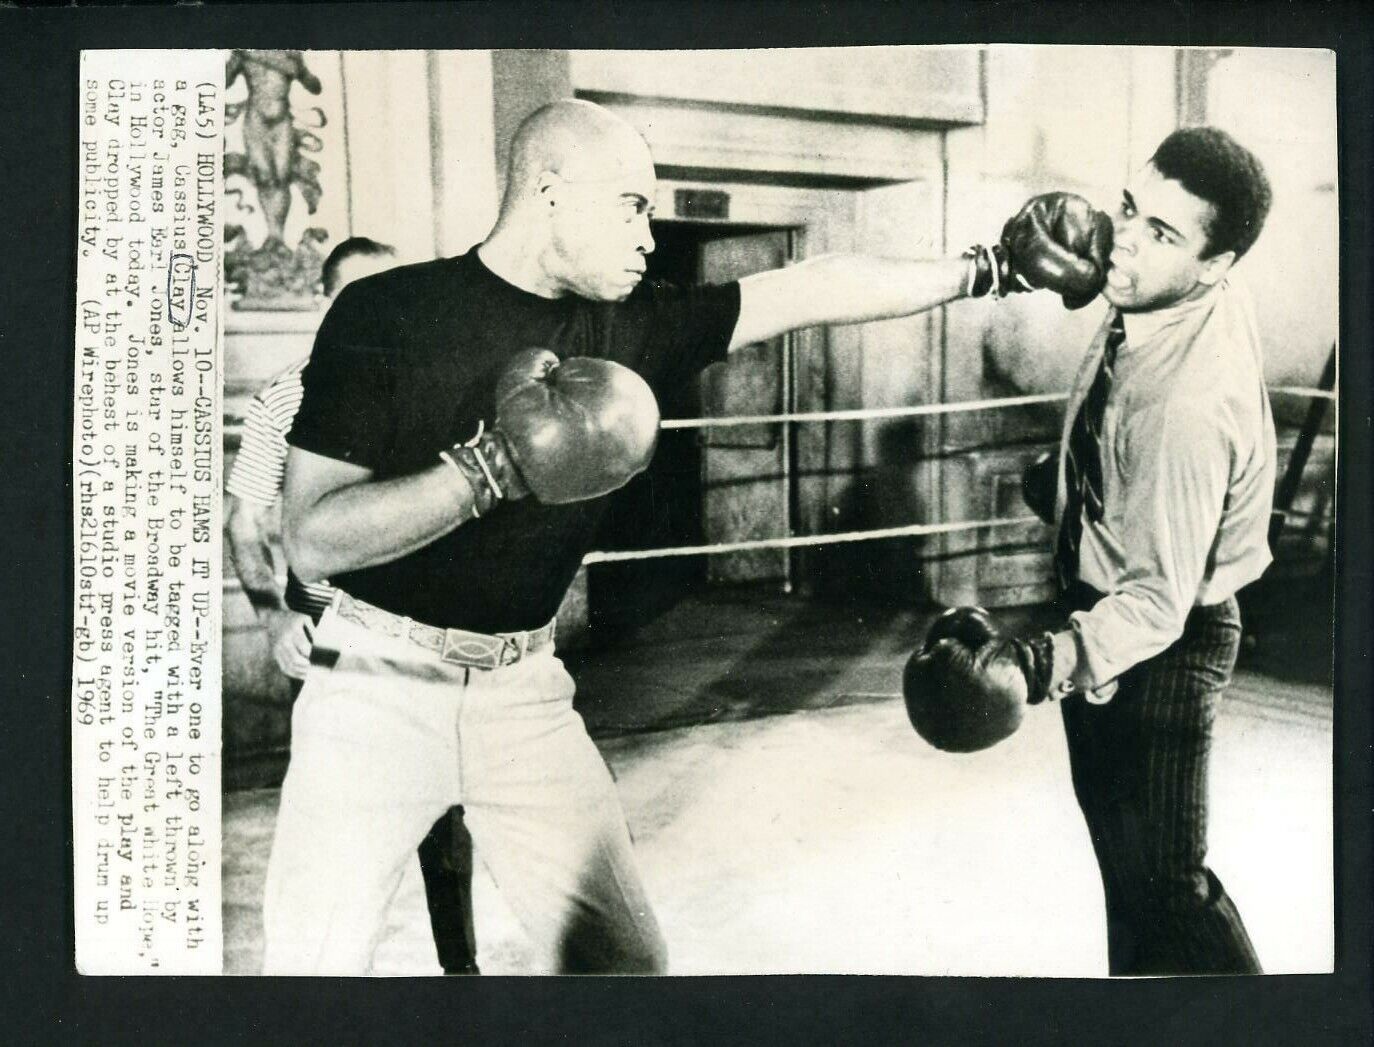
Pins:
x,y
863,413
1304,390
852,415
797,541
917,410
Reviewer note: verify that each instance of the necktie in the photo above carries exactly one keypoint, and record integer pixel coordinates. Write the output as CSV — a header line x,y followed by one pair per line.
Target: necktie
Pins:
x,y
1083,460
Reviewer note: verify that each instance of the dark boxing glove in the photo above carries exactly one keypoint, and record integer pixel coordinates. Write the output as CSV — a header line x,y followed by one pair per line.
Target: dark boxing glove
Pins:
x,y
575,429
971,626
564,432
1040,485
1057,242
967,688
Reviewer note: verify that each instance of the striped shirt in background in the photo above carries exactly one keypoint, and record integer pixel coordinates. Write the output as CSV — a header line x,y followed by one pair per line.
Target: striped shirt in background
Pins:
x,y
260,468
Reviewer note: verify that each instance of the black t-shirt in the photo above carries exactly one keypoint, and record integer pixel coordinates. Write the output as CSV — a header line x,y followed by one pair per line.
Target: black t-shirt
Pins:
x,y
405,365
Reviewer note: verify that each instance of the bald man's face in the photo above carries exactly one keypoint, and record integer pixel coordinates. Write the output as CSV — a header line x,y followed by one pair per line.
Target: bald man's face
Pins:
x,y
598,212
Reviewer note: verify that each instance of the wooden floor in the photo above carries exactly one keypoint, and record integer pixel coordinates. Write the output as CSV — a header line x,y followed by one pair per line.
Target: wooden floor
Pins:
x,y
787,820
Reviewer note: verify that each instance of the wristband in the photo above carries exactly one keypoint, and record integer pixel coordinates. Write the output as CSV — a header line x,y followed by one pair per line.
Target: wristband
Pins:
x,y
986,271
470,459
452,463
971,279
475,445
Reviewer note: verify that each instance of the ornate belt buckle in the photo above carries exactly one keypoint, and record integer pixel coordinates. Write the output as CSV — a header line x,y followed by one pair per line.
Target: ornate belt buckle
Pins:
x,y
469,650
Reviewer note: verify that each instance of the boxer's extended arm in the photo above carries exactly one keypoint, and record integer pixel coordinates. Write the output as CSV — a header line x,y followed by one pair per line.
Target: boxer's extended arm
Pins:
x,y
336,518
843,289
1057,242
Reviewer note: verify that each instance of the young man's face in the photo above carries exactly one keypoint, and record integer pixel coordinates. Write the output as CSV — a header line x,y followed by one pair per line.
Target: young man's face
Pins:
x,y
1160,232
600,227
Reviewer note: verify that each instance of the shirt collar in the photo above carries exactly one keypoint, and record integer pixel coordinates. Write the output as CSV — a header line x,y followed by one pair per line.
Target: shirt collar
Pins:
x,y
1142,328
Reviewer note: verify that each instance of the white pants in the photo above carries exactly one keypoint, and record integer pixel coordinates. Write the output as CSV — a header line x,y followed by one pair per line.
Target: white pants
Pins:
x,y
389,737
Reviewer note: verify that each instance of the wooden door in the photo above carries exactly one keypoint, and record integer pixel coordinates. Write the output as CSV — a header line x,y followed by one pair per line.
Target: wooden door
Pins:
x,y
745,472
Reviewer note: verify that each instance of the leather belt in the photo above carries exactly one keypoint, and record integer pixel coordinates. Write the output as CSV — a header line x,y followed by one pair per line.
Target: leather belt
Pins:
x,y
456,646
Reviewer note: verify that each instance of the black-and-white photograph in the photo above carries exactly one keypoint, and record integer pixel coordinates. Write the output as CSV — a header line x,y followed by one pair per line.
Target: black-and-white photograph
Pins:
x,y
829,510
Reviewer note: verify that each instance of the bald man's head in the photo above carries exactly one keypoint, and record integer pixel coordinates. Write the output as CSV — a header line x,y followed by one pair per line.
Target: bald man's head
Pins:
x,y
577,140
579,195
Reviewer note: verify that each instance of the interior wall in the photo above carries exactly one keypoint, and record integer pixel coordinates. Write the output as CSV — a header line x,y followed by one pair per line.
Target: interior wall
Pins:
x,y
1282,105
906,84
464,147
897,363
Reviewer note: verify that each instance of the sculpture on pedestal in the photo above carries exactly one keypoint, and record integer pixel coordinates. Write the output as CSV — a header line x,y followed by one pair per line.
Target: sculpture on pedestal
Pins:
x,y
274,275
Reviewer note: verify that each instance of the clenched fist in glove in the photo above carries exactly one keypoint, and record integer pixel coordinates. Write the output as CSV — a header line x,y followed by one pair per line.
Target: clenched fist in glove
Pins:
x,y
1056,242
565,431
967,688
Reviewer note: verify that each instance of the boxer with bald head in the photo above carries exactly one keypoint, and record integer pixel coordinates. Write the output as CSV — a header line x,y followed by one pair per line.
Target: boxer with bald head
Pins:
x,y
574,215
462,423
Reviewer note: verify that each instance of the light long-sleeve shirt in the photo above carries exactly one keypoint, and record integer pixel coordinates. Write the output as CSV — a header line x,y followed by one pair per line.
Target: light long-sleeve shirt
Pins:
x,y
1188,470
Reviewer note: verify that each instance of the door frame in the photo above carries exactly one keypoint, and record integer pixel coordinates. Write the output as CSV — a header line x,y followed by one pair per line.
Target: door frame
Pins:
x,y
819,221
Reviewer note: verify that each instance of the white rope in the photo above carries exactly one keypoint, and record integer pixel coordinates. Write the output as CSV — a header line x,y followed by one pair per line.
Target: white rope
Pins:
x,y
915,410
794,542
1304,390
906,531
859,413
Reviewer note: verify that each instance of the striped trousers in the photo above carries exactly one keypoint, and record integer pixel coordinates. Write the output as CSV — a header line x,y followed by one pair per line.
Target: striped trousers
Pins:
x,y
1139,766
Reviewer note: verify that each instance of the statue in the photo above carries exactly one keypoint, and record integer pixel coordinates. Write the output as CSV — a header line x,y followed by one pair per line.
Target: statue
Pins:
x,y
273,275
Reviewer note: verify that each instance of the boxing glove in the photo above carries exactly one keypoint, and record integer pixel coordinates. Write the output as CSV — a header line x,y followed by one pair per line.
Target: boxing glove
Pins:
x,y
967,688
971,626
1059,242
1056,242
574,429
1040,485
